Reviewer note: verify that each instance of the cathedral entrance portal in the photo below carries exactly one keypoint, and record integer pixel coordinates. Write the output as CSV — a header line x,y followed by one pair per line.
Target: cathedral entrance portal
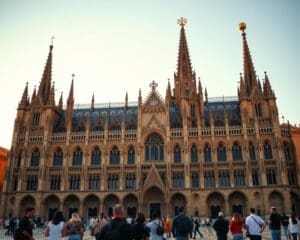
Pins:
x,y
154,208
215,202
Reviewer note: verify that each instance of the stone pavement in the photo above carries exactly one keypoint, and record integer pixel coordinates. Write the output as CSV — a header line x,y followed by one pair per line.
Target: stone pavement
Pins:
x,y
39,235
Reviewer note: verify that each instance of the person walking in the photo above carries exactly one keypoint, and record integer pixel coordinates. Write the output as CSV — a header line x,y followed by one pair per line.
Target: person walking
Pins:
x,y
168,227
236,226
24,232
117,228
254,225
141,231
221,227
293,226
54,230
274,224
196,221
100,222
74,227
155,227
285,225
182,226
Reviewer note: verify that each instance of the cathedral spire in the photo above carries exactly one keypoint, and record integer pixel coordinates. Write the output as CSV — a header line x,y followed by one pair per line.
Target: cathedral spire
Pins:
x,y
199,87
71,92
51,99
249,71
24,99
184,77
268,92
60,103
93,102
45,85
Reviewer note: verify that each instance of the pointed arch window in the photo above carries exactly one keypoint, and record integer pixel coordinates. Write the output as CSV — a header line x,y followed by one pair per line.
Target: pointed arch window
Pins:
x,y
268,150
177,154
287,151
237,152
221,152
252,152
35,158
58,157
96,156
36,118
154,148
194,154
114,156
131,155
207,153
258,109
77,157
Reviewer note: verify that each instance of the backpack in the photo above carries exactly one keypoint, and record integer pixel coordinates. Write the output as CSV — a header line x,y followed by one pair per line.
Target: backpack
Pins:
x,y
160,230
184,225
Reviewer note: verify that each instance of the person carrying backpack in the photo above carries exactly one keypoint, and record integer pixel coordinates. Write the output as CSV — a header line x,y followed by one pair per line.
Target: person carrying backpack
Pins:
x,y
118,228
156,227
182,226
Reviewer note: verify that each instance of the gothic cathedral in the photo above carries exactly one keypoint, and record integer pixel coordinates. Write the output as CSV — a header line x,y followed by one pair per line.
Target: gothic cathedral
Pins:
x,y
186,149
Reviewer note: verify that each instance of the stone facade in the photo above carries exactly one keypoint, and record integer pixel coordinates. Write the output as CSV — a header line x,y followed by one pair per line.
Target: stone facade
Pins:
x,y
228,153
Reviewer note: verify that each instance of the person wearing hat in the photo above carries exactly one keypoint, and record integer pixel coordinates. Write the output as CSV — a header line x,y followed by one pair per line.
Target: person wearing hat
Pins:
x,y
274,224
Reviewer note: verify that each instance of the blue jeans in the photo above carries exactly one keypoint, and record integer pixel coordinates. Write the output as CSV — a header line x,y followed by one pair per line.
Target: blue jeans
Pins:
x,y
74,237
276,234
286,231
238,236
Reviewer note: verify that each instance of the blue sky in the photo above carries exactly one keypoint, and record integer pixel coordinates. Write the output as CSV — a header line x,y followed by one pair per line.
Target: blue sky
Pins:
x,y
118,46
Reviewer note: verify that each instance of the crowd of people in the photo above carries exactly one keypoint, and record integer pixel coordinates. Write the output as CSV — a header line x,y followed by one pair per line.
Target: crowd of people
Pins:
x,y
181,227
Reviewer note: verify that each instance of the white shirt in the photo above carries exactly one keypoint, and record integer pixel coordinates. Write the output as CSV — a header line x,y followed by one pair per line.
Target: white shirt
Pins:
x,y
254,228
55,232
294,228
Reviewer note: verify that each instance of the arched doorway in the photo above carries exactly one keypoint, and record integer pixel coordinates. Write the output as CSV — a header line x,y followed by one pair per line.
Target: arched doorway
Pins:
x,y
51,205
215,204
238,203
295,202
178,200
71,204
26,202
276,199
91,206
130,204
154,201
109,202
258,202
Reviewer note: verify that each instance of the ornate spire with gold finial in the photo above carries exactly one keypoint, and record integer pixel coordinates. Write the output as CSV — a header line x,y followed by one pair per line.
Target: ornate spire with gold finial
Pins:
x,y
249,71
185,77
45,84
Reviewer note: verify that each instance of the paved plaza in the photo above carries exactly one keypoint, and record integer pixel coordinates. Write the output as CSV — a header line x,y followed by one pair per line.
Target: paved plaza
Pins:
x,y
39,235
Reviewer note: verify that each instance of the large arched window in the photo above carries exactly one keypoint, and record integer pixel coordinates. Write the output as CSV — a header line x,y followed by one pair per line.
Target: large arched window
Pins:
x,y
154,148
287,151
194,154
237,152
252,151
221,152
268,150
96,156
58,157
207,153
35,158
177,154
114,156
77,157
131,155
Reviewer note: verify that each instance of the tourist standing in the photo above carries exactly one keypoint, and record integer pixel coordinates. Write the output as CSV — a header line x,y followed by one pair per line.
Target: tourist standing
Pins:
x,y
74,227
236,226
182,226
141,231
293,226
221,227
24,231
54,230
274,224
254,225
285,224
155,225
100,222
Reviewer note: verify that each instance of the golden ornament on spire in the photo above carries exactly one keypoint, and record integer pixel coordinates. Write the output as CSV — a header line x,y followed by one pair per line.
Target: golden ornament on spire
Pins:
x,y
182,21
242,26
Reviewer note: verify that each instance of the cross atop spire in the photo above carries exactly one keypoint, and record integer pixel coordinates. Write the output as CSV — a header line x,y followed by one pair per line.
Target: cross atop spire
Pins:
x,y
182,21
153,85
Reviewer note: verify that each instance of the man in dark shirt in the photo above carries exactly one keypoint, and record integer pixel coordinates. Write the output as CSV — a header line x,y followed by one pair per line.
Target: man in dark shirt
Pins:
x,y
221,227
274,222
24,231
285,224
118,228
182,226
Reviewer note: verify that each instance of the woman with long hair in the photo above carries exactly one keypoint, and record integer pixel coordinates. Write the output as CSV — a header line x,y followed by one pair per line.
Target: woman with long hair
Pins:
x,y
54,230
74,227
141,231
236,226
294,226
